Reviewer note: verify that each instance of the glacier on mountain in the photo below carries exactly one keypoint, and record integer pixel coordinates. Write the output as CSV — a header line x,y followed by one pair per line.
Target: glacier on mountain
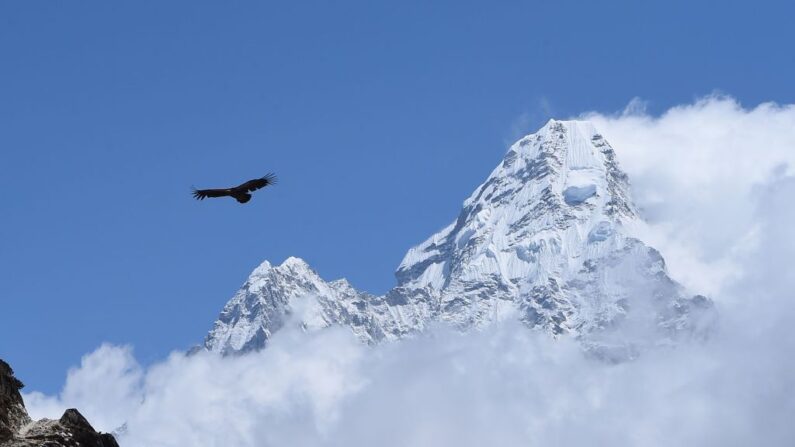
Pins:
x,y
548,238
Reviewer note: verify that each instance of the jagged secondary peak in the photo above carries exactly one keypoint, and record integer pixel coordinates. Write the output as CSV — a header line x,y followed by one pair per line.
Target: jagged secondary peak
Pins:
x,y
262,304
291,263
295,263
291,291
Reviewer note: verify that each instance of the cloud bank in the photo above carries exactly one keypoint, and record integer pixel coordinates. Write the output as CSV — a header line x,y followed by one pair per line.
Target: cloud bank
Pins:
x,y
696,171
712,179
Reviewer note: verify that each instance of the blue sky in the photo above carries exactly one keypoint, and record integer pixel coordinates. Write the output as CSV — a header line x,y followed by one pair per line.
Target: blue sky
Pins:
x,y
378,117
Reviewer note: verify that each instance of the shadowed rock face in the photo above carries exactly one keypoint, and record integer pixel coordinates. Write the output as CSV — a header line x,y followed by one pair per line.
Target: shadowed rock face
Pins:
x,y
12,410
17,429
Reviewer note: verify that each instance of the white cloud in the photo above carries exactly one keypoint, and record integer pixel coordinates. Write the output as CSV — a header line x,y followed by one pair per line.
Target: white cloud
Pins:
x,y
504,386
508,385
694,171
110,372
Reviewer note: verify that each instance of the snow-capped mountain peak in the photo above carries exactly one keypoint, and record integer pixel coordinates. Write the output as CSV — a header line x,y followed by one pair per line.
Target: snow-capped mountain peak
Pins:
x,y
564,178
544,239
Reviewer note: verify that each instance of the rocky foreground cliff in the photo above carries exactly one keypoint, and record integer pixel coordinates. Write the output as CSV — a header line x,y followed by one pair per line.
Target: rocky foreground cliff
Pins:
x,y
18,430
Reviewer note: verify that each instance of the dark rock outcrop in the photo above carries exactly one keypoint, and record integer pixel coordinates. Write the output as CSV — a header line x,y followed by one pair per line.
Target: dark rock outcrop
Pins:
x,y
18,430
12,410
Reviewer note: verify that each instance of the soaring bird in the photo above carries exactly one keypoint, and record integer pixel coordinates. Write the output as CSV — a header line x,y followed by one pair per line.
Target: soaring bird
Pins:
x,y
239,192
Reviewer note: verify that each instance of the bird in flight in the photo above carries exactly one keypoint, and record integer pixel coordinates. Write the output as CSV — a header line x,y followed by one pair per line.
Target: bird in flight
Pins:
x,y
241,192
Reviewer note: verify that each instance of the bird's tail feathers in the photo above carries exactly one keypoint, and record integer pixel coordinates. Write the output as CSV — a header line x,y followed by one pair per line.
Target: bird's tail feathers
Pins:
x,y
271,178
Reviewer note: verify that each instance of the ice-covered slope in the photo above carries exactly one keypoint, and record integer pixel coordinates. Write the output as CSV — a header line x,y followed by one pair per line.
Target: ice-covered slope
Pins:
x,y
557,200
546,239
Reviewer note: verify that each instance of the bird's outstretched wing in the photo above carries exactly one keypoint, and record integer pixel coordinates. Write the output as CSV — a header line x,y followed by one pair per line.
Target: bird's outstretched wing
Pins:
x,y
201,194
253,185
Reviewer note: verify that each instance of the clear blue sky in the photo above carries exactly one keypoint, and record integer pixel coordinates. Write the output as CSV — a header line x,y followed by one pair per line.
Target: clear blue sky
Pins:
x,y
378,117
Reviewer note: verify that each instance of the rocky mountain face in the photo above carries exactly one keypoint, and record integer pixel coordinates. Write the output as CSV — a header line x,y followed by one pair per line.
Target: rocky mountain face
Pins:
x,y
547,238
18,430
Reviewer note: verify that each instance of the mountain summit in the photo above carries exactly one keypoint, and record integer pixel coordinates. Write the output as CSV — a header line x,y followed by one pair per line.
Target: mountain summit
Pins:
x,y
547,239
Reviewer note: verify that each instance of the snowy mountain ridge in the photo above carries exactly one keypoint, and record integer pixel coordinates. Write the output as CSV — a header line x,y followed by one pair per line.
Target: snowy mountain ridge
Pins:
x,y
547,238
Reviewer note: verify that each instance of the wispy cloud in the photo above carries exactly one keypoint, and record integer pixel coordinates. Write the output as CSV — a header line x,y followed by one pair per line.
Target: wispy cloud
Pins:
x,y
695,171
527,122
